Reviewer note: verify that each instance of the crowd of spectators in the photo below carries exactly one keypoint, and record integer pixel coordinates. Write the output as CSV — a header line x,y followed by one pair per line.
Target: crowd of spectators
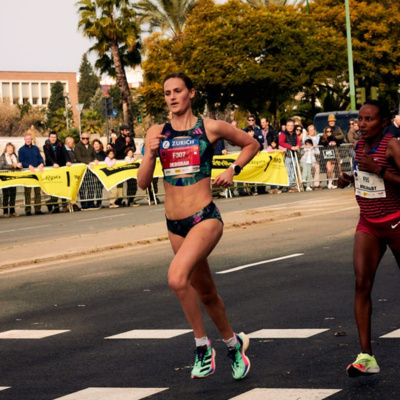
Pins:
x,y
291,139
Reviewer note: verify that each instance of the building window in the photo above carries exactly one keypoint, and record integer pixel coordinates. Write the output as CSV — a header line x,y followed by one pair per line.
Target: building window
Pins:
x,y
5,91
15,93
35,93
25,92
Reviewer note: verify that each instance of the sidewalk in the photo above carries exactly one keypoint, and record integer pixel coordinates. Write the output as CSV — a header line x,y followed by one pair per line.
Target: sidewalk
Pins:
x,y
80,245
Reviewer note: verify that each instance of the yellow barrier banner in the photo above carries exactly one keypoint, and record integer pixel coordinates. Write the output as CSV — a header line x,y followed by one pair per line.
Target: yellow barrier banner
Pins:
x,y
61,182
265,168
112,176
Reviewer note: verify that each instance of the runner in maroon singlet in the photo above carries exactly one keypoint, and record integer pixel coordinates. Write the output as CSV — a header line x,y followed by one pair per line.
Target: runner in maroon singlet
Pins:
x,y
376,179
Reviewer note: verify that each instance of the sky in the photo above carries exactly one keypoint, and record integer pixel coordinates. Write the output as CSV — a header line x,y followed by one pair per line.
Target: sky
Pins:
x,y
41,35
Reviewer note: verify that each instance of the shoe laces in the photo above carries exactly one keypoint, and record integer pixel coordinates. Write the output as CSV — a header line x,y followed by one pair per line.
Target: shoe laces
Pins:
x,y
200,353
234,355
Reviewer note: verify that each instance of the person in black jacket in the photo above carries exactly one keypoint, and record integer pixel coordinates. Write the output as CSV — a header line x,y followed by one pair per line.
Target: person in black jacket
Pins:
x,y
56,156
124,141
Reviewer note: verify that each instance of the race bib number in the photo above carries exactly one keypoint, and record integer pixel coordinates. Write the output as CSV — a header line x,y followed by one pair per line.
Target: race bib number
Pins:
x,y
369,185
180,156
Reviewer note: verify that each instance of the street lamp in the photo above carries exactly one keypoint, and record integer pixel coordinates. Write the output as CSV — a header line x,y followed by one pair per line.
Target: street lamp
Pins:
x,y
79,107
350,57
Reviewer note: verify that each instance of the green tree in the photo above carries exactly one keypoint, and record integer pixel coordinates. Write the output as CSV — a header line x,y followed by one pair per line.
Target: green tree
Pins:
x,y
167,15
235,55
112,23
91,122
56,108
375,40
88,82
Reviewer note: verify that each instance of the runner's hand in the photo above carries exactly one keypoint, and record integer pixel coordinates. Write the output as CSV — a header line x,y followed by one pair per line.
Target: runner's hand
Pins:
x,y
154,144
225,179
345,180
367,163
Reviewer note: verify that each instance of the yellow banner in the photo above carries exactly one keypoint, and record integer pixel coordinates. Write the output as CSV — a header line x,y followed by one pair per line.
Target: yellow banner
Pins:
x,y
112,176
63,182
265,168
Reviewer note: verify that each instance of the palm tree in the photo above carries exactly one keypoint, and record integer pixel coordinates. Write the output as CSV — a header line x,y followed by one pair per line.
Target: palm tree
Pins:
x,y
168,15
113,24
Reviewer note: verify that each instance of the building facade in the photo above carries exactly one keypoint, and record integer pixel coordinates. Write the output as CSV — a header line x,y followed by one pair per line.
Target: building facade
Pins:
x,y
35,88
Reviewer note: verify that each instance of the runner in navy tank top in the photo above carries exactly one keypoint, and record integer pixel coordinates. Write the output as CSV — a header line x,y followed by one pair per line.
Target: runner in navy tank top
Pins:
x,y
376,179
185,147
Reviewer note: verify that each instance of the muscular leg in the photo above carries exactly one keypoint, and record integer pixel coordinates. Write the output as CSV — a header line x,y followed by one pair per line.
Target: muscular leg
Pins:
x,y
190,278
368,252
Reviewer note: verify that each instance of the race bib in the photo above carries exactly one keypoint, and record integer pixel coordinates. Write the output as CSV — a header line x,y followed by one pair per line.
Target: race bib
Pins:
x,y
180,156
369,185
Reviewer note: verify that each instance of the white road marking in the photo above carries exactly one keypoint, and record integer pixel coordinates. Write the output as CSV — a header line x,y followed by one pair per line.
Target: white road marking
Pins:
x,y
107,217
94,393
30,333
24,229
4,387
287,394
259,263
392,335
151,334
285,333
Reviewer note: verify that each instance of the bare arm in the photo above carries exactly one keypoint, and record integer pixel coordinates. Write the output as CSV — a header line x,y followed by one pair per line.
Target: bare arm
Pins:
x,y
250,147
152,144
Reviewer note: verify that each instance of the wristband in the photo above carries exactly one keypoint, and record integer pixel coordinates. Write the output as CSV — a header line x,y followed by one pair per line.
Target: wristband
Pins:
x,y
382,172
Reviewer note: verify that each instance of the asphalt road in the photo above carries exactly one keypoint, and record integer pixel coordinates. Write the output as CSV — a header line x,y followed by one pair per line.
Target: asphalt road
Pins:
x,y
89,300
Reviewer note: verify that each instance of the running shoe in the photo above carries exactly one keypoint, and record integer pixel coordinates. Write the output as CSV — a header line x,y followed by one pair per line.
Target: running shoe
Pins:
x,y
239,361
364,365
204,365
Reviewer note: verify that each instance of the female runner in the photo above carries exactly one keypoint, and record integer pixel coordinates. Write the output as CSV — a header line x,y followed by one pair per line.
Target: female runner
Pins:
x,y
377,187
185,146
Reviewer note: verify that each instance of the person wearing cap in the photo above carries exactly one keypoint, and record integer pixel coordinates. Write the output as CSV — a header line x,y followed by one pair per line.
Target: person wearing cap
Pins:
x,y
337,132
124,141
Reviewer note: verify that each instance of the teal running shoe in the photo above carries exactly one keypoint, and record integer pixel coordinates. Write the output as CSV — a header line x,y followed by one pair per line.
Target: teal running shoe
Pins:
x,y
204,365
364,365
239,361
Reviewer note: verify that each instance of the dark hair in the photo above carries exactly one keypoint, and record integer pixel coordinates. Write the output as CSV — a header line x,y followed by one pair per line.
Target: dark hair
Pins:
x,y
309,141
188,82
98,141
383,106
110,151
129,149
290,120
52,133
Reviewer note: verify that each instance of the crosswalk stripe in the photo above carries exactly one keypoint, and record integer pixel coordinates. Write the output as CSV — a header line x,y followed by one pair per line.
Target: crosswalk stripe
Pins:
x,y
94,393
30,333
151,334
285,333
392,335
287,394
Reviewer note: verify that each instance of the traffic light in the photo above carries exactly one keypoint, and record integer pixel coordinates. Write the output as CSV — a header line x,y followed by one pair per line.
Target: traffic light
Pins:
x,y
374,93
360,95
107,105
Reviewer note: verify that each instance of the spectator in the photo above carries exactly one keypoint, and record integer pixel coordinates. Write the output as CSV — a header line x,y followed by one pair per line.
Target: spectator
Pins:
x,y
98,186
349,129
9,161
55,156
29,156
254,130
312,134
113,138
85,154
336,131
69,145
110,161
283,129
274,146
328,139
219,149
299,132
230,147
124,141
354,132
307,161
268,132
394,128
290,141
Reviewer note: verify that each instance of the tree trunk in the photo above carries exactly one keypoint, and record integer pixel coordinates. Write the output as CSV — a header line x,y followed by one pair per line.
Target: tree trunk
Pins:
x,y
122,84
